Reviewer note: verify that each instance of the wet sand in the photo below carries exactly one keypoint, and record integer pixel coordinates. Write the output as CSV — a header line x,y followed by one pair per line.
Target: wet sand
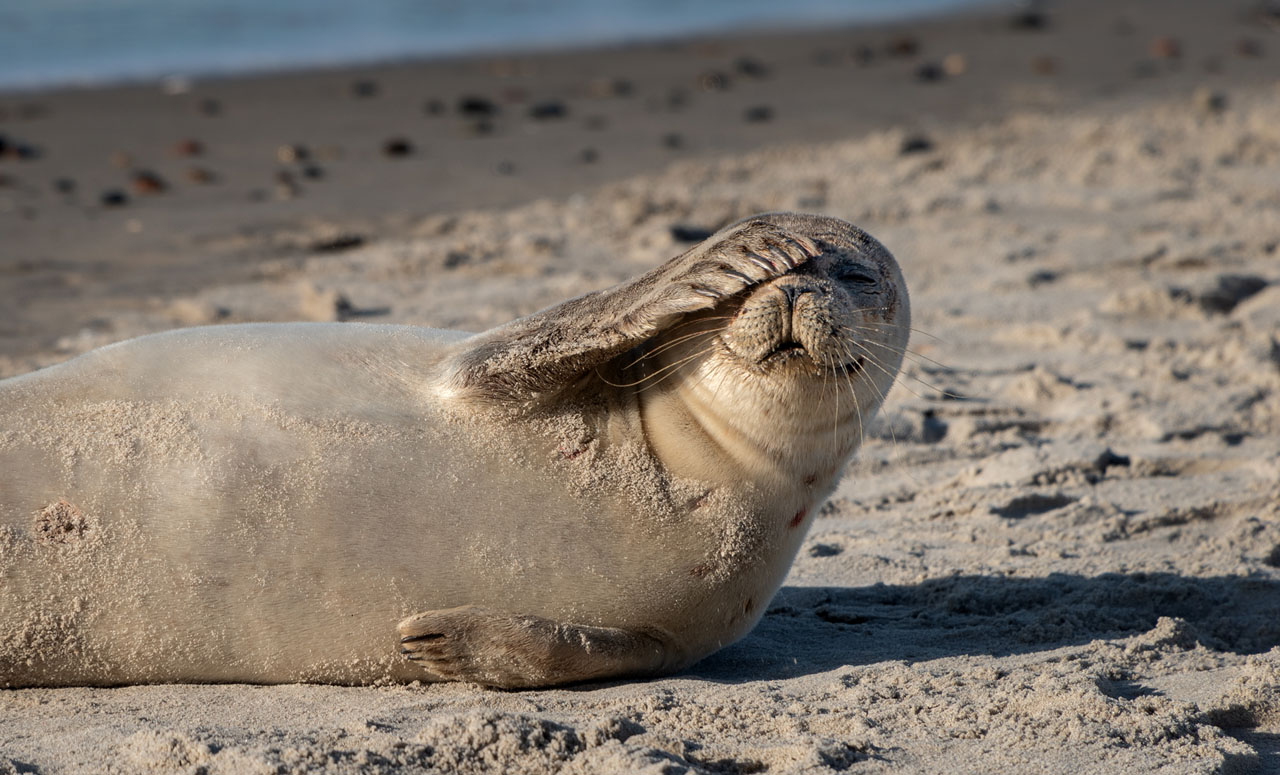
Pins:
x,y
1059,551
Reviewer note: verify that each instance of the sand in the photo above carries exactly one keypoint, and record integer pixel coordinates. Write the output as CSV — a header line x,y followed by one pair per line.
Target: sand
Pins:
x,y
1057,552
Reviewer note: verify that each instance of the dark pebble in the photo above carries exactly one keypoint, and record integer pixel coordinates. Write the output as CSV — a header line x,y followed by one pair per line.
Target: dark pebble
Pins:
x,y
1165,47
1249,47
201,175
476,107
677,99
824,550
145,182
433,107
364,88
713,80
1029,21
589,156
930,72
1230,290
903,46
506,168
455,258
862,55
209,107
188,148
1042,277
4,145
113,198
1044,65
758,114
548,110
288,154
64,186
397,147
684,233
338,244
313,172
752,68
673,140
915,144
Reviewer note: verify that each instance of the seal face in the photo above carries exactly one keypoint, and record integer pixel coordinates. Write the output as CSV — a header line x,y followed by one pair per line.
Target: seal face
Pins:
x,y
613,486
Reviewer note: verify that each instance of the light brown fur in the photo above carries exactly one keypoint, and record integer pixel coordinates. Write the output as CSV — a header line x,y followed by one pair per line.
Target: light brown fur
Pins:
x,y
613,486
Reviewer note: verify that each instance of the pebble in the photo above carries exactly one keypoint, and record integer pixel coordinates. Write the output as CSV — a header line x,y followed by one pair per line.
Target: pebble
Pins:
x,y
200,175
64,185
903,46
1210,101
364,88
862,55
209,107
476,107
681,232
752,68
713,80
758,114
288,154
589,156
1029,20
480,128
313,172
601,88
113,197
1044,65
915,144
673,140
1165,47
147,182
433,107
955,64
1249,47
397,147
506,168
550,109
188,147
338,244
930,72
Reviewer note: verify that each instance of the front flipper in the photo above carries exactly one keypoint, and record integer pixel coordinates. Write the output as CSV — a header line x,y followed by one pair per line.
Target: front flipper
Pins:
x,y
551,349
476,644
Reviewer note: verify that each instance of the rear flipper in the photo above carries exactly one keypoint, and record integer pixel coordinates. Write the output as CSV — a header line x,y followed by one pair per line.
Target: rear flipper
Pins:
x,y
489,647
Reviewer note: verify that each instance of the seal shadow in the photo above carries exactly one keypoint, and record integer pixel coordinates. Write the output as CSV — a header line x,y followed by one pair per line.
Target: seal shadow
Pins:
x,y
809,630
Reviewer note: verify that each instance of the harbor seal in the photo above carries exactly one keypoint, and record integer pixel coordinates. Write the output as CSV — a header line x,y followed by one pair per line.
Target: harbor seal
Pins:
x,y
614,486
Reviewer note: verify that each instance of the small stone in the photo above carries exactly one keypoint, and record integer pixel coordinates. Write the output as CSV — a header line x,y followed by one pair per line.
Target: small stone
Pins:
x,y
288,154
65,186
758,114
397,147
685,233
915,144
476,107
313,172
589,156
713,80
148,183
1166,47
930,72
364,88
201,175
506,168
187,148
1029,20
1249,47
479,128
601,88
337,244
752,68
673,140
209,107
1044,65
433,107
1210,101
903,46
550,109
955,64
113,197
862,55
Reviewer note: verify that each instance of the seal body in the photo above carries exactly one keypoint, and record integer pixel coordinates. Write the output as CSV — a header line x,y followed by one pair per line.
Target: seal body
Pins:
x,y
613,486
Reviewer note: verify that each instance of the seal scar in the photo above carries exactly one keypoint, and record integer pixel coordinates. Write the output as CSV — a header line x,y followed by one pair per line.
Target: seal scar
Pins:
x,y
811,478
798,518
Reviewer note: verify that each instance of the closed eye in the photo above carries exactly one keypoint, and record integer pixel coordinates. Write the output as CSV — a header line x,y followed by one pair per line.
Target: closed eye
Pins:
x,y
854,274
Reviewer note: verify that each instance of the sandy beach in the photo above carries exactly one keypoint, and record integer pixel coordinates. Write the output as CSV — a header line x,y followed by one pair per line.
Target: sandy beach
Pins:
x,y
1057,552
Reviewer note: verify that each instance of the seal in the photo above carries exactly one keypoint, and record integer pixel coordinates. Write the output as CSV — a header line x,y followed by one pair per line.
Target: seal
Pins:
x,y
614,486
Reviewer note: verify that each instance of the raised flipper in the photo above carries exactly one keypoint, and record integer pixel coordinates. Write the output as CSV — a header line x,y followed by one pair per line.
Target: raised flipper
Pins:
x,y
551,349
488,647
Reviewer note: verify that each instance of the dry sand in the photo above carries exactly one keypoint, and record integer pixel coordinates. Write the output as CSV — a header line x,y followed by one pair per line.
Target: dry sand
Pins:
x,y
1058,552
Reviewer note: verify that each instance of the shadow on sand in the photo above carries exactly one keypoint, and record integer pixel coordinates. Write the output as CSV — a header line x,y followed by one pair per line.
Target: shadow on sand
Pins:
x,y
810,630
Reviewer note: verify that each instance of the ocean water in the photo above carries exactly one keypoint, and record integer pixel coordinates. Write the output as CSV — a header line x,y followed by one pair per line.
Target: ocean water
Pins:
x,y
68,42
